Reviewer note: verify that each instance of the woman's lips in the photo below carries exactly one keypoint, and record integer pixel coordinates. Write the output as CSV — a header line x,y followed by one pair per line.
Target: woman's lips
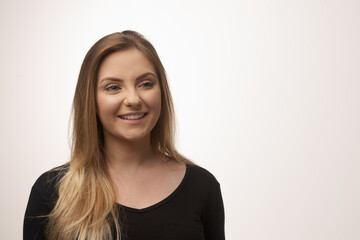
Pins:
x,y
133,116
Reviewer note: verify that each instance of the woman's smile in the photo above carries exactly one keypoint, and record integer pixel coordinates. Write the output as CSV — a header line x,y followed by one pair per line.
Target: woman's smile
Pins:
x,y
133,118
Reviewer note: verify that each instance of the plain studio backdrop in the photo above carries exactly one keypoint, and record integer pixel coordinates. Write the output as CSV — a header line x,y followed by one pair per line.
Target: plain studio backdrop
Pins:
x,y
267,97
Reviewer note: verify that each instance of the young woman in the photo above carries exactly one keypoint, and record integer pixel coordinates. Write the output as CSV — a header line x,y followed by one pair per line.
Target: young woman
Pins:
x,y
125,179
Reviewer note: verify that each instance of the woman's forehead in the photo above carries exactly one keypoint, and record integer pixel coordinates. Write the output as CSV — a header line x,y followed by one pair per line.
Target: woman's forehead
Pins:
x,y
125,64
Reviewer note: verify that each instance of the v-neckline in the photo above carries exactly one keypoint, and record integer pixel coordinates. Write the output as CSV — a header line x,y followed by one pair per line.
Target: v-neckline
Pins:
x,y
163,201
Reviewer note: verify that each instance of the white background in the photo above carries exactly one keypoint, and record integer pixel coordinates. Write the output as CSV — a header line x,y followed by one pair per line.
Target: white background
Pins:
x,y
267,97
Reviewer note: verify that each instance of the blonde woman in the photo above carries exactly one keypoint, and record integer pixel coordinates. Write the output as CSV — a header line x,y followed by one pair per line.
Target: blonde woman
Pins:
x,y
125,180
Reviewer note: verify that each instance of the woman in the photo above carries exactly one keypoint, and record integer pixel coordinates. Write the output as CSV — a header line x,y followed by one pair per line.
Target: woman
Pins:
x,y
125,179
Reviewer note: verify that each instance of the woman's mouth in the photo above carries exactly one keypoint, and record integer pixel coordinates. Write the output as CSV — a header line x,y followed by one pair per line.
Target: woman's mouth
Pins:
x,y
132,116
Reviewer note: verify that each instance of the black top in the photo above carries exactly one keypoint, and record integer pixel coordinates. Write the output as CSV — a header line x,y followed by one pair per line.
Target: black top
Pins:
x,y
194,211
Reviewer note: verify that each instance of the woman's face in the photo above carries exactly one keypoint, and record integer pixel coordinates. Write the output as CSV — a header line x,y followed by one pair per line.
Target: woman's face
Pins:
x,y
128,95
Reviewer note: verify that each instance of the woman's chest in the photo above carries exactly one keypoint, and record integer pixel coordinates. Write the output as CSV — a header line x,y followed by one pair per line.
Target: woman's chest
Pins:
x,y
164,224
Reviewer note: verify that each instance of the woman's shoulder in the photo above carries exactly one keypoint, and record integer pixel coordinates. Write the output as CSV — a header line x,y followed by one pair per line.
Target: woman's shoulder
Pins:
x,y
201,176
44,194
47,183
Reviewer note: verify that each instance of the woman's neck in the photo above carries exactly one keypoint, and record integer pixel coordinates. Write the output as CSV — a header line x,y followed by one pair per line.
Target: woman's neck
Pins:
x,y
123,154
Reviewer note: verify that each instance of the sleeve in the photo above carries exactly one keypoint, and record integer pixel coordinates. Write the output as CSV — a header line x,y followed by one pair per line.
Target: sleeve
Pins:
x,y
39,206
214,216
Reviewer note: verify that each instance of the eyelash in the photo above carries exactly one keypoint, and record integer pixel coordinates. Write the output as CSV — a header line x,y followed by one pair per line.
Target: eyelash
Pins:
x,y
108,88
149,84
145,84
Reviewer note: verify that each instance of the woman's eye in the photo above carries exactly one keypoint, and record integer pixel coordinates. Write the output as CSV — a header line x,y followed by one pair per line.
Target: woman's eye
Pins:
x,y
112,88
147,84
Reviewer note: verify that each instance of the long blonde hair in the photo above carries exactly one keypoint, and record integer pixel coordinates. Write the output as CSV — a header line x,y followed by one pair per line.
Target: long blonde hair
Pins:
x,y
86,208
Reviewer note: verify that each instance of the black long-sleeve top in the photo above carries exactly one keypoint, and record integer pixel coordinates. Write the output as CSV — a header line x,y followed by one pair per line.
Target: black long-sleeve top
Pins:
x,y
194,211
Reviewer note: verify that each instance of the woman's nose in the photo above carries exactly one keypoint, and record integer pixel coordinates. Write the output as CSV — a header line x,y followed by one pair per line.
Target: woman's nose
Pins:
x,y
132,99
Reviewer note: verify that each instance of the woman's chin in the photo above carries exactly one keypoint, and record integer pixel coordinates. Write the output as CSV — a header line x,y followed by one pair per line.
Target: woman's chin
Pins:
x,y
126,136
134,137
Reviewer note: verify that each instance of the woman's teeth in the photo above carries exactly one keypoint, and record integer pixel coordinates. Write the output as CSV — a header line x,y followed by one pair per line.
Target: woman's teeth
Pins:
x,y
132,117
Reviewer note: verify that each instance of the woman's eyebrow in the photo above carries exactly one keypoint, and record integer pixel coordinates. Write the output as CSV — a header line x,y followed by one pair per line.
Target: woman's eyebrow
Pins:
x,y
111,79
144,75
115,79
